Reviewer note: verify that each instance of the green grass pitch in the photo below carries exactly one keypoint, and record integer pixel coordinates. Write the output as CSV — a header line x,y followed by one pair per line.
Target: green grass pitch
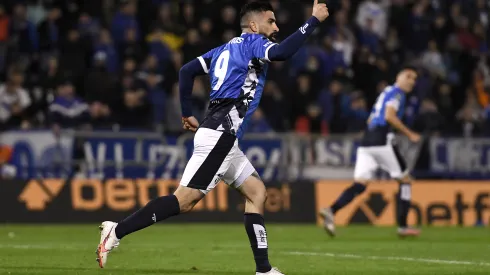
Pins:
x,y
215,249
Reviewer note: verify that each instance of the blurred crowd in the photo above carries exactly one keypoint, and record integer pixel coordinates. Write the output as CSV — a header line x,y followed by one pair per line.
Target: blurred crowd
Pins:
x,y
114,64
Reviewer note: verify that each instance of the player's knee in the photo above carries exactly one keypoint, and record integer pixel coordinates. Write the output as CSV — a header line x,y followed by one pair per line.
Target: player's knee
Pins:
x,y
188,198
364,182
257,195
405,179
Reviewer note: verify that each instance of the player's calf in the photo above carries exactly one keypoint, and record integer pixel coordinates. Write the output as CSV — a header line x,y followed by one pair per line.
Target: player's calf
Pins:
x,y
404,201
328,214
255,193
357,188
159,209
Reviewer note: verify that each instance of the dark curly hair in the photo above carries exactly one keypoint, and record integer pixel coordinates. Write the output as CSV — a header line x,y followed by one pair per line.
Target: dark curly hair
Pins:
x,y
254,6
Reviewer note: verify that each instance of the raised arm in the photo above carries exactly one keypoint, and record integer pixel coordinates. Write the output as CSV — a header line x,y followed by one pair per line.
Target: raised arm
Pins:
x,y
290,45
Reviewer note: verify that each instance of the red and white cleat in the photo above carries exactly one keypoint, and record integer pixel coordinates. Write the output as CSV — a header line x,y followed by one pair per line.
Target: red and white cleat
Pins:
x,y
108,241
408,232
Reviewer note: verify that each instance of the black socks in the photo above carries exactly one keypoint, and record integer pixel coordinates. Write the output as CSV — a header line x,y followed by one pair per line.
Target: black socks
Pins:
x,y
347,196
154,211
254,225
404,197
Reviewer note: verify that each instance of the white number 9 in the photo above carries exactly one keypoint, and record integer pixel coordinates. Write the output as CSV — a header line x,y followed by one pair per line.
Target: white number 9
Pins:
x,y
221,68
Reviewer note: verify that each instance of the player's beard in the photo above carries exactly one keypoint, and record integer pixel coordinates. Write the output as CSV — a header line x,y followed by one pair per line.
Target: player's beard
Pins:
x,y
272,37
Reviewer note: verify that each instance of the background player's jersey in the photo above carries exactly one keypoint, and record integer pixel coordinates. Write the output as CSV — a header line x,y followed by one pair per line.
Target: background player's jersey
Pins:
x,y
378,128
237,71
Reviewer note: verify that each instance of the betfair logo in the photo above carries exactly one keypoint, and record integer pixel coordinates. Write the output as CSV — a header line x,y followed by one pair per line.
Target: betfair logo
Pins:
x,y
36,195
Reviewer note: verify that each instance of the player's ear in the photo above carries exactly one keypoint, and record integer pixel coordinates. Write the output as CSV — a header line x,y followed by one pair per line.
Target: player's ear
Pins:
x,y
254,26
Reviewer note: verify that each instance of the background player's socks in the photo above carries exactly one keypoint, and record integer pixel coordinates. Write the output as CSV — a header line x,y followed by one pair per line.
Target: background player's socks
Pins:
x,y
348,195
156,210
254,224
404,197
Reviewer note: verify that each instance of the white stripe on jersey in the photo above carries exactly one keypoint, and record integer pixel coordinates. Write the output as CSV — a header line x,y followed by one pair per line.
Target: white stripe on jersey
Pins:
x,y
203,64
267,51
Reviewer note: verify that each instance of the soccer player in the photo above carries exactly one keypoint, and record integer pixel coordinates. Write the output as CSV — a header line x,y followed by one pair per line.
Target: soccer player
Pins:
x,y
237,70
378,149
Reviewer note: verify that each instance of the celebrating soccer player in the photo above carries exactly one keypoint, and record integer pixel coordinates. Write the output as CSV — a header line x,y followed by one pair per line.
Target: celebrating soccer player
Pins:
x,y
237,71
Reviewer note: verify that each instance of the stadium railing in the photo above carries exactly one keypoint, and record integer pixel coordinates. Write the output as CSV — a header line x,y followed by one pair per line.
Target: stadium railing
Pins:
x,y
129,154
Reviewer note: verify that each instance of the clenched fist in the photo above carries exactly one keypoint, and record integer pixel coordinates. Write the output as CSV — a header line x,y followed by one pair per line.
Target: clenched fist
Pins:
x,y
320,11
190,123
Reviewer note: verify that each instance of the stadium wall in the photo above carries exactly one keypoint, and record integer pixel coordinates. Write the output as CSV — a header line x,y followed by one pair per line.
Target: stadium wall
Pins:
x,y
448,203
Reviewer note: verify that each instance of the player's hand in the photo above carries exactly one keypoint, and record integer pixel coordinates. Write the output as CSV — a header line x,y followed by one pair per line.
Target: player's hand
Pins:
x,y
414,137
320,11
190,123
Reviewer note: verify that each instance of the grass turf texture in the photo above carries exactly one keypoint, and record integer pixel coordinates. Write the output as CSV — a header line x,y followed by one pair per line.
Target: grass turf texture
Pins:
x,y
224,249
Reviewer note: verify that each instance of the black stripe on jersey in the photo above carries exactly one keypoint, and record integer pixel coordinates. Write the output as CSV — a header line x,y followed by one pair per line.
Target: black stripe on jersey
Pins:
x,y
218,110
399,158
375,137
208,169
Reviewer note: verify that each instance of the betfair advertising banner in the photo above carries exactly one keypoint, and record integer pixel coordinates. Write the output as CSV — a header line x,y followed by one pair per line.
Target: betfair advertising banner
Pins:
x,y
463,203
56,200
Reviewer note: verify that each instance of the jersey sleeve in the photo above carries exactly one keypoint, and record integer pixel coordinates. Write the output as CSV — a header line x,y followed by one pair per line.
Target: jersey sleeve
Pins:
x,y
260,48
205,59
393,100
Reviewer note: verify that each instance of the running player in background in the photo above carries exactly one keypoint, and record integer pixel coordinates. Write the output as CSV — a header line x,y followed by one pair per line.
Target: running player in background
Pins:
x,y
238,71
378,150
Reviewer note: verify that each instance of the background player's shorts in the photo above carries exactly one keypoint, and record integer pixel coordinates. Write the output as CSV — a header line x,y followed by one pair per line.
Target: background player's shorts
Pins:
x,y
386,157
216,157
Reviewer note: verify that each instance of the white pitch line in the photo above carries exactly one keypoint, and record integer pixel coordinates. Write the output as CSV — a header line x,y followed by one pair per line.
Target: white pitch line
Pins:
x,y
387,258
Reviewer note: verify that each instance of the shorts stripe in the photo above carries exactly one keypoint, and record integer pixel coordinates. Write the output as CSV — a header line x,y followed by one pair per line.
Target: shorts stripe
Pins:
x,y
208,169
399,159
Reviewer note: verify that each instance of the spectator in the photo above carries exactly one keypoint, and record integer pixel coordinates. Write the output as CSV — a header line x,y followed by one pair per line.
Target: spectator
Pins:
x,y
372,15
445,103
429,120
157,45
123,20
105,49
131,47
469,117
173,123
258,123
331,58
440,31
100,87
273,105
433,62
191,47
356,113
4,35
466,38
302,97
49,32
133,111
331,103
23,38
73,57
368,38
486,122
14,101
419,29
88,27
67,110
4,25
156,96
208,38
